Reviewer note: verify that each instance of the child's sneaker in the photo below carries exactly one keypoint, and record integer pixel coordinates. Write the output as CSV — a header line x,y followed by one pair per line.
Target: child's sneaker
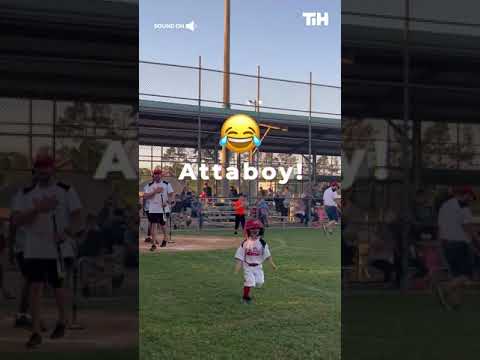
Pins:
x,y
247,300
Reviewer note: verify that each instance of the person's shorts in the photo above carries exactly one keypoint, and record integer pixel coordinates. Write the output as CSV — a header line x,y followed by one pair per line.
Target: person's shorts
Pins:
x,y
253,276
332,213
44,271
20,260
157,218
459,258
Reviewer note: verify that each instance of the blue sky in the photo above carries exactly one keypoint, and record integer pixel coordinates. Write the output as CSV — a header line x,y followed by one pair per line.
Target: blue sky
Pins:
x,y
269,33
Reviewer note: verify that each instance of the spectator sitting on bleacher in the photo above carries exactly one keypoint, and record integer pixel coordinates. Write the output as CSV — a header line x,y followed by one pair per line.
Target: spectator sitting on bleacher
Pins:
x,y
300,210
207,189
287,197
381,254
278,200
262,208
233,192
177,211
183,194
197,210
187,203
91,249
270,194
354,221
92,245
203,197
263,192
424,219
308,206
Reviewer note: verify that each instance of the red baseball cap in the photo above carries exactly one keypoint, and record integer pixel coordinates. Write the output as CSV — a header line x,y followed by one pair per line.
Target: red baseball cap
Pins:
x,y
467,190
333,183
157,172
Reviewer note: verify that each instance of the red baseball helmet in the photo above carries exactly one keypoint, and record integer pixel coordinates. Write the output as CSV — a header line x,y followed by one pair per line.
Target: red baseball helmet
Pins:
x,y
157,172
334,184
253,224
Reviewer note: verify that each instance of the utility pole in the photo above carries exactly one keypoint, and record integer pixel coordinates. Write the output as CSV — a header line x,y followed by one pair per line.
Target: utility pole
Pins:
x,y
226,87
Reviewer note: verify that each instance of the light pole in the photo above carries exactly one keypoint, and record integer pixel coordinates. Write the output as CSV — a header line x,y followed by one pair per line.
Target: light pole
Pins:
x,y
226,86
226,54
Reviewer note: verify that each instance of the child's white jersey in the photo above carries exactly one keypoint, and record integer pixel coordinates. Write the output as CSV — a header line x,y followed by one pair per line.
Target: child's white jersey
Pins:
x,y
253,252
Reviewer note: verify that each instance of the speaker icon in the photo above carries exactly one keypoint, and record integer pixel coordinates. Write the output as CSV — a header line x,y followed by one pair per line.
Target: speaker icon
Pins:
x,y
191,26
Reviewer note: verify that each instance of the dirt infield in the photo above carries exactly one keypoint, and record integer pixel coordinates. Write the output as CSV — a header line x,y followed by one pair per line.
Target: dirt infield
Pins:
x,y
102,330
195,243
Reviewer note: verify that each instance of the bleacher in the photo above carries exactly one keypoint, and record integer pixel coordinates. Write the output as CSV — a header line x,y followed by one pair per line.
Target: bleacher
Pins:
x,y
219,213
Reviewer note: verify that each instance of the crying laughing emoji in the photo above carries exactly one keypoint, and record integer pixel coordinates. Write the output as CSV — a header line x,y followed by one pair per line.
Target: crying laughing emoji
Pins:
x,y
240,133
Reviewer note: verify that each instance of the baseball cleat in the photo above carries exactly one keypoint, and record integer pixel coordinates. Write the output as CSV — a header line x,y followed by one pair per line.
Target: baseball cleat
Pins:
x,y
153,248
148,239
164,243
34,341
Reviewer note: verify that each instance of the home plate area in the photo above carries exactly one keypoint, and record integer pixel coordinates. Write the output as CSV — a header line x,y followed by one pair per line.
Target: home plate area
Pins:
x,y
193,243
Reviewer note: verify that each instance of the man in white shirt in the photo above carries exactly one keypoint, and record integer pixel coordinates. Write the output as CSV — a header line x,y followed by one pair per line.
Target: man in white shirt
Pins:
x,y
48,212
159,194
459,239
330,203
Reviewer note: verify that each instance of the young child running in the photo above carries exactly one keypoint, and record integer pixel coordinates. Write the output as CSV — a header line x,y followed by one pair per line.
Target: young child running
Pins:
x,y
251,254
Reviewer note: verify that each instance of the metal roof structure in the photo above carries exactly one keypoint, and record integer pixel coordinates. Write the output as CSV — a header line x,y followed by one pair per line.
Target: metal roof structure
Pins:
x,y
443,80
172,124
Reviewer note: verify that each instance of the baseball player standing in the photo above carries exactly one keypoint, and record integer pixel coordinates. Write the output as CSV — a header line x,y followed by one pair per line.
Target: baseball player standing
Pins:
x,y
250,255
160,196
48,212
331,206
145,211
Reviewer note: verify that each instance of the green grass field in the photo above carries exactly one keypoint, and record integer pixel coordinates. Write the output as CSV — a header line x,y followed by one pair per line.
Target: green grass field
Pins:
x,y
126,354
190,303
415,327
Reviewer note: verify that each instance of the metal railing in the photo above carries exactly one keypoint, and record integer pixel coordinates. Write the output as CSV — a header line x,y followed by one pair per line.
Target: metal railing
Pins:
x,y
197,85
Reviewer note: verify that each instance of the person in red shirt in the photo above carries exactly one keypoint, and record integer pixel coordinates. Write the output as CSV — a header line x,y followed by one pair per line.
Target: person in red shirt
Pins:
x,y
239,206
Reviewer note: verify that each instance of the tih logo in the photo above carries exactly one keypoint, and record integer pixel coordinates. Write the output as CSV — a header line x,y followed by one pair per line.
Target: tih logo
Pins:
x,y
315,18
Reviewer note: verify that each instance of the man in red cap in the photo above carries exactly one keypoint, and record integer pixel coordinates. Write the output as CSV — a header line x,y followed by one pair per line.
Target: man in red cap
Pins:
x,y
159,194
459,238
48,212
331,206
